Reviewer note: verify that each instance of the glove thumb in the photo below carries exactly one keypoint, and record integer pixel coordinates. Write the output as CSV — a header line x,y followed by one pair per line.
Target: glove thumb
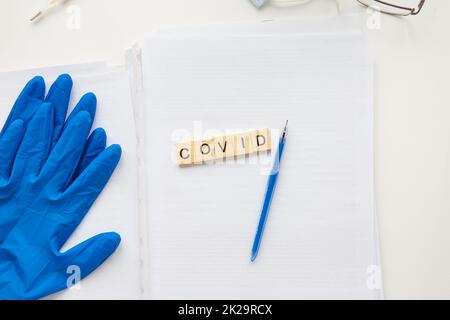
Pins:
x,y
90,254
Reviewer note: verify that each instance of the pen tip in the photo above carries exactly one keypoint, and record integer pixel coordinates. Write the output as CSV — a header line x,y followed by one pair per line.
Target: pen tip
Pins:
x,y
285,129
253,257
36,16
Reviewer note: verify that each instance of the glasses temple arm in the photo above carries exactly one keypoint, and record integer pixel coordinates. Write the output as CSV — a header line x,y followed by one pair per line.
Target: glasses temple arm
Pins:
x,y
419,7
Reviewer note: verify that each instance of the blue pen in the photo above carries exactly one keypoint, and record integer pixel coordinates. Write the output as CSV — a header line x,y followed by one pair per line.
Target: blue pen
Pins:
x,y
271,184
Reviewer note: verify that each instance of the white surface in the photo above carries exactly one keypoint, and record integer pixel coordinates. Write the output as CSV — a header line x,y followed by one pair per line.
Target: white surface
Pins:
x,y
116,208
320,239
412,135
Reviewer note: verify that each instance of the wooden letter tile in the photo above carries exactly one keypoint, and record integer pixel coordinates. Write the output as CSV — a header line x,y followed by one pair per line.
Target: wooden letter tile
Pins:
x,y
243,143
262,140
184,153
204,151
224,147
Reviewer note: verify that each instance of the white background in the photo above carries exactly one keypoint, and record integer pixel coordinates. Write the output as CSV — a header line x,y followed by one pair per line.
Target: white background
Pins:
x,y
412,107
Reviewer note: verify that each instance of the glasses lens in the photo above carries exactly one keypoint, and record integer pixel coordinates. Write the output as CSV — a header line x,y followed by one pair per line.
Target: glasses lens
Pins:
x,y
397,7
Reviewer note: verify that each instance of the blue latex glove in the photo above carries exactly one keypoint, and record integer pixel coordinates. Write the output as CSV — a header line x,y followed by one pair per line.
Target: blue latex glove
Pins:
x,y
50,175
33,95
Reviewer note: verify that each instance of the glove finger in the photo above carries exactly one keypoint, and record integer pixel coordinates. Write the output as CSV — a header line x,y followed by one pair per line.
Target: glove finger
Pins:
x,y
88,103
95,145
94,178
59,96
96,142
64,158
27,103
90,254
9,144
35,146
80,196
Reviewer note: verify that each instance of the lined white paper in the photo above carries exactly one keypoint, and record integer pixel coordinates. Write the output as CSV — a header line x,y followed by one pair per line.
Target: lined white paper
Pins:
x,y
320,239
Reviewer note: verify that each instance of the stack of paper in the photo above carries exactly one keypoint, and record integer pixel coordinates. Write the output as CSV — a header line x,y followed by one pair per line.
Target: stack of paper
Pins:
x,y
320,239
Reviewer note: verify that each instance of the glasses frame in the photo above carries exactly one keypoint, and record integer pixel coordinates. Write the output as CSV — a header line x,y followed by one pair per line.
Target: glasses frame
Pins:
x,y
409,11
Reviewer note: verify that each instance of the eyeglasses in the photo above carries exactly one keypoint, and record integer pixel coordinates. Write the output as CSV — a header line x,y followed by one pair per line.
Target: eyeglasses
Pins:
x,y
392,7
395,7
